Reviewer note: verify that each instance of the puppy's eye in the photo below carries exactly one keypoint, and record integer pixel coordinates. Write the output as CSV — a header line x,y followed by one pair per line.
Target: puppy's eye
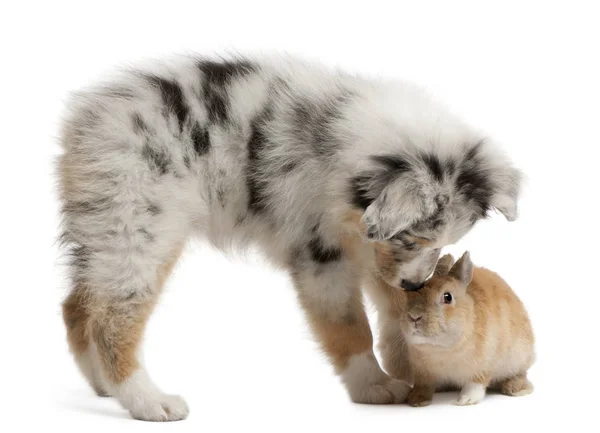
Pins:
x,y
447,298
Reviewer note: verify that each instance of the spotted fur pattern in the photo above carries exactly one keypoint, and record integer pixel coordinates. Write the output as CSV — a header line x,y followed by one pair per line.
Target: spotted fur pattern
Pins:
x,y
308,164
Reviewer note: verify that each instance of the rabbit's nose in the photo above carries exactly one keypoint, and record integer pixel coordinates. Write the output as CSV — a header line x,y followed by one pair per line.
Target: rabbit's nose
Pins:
x,y
415,318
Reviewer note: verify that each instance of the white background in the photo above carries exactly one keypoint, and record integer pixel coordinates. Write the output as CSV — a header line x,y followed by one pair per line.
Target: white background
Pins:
x,y
228,334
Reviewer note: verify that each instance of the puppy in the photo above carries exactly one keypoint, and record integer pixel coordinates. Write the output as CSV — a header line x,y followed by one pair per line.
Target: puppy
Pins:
x,y
465,328
312,166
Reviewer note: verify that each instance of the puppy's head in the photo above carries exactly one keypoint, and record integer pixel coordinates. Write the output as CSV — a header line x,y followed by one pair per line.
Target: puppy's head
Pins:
x,y
416,202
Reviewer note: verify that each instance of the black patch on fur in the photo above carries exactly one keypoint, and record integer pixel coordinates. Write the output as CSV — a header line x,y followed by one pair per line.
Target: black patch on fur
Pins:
x,y
87,206
434,165
79,260
257,197
80,254
172,97
201,139
474,184
289,167
154,209
157,160
139,126
187,162
359,192
473,180
322,254
314,122
394,164
221,196
216,78
147,235
217,106
441,201
221,73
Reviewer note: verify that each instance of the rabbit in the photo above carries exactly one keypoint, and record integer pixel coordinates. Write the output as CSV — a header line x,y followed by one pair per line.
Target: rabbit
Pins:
x,y
464,328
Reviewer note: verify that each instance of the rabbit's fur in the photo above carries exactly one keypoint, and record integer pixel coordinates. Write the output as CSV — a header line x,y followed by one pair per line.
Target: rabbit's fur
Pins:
x,y
465,328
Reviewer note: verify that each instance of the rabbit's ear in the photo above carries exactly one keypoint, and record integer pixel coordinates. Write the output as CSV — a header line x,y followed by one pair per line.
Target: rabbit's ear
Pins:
x,y
463,269
443,266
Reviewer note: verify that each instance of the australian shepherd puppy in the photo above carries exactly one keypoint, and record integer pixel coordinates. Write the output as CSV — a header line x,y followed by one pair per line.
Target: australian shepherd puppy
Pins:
x,y
334,177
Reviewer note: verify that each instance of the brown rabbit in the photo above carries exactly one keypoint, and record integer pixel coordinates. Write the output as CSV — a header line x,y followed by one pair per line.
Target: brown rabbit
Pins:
x,y
465,328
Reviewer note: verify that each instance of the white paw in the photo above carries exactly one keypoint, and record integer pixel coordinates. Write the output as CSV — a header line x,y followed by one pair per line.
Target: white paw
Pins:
x,y
399,389
162,408
367,383
472,393
392,391
146,402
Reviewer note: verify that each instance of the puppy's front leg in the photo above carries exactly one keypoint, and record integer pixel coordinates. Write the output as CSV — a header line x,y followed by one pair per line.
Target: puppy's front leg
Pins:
x,y
329,291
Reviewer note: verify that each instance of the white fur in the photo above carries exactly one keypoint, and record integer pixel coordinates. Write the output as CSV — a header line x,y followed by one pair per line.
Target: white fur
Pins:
x,y
89,365
145,401
471,393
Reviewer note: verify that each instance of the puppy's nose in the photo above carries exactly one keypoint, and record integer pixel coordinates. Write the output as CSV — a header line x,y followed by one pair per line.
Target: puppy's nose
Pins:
x,y
410,286
415,318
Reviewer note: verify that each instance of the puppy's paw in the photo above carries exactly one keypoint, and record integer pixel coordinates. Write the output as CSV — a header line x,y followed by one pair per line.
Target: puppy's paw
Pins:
x,y
101,392
367,383
163,408
390,392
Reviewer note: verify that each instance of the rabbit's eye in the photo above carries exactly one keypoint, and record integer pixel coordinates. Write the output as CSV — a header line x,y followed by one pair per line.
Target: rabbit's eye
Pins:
x,y
447,298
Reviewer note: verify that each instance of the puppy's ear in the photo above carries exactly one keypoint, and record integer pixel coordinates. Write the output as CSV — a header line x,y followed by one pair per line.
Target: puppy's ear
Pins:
x,y
507,187
443,265
395,209
487,176
463,269
393,195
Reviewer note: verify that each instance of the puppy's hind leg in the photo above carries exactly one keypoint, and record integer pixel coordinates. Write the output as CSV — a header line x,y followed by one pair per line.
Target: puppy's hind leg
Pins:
x,y
116,328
